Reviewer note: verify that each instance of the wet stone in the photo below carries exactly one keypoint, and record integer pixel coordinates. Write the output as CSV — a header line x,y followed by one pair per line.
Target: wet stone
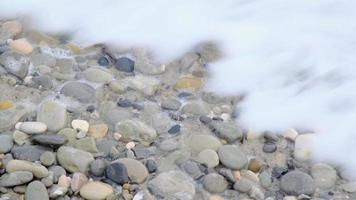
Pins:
x,y
15,63
125,64
117,172
151,165
30,153
174,129
80,91
269,147
50,140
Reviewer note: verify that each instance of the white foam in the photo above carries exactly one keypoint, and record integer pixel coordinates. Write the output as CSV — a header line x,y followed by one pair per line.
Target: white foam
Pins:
x,y
294,59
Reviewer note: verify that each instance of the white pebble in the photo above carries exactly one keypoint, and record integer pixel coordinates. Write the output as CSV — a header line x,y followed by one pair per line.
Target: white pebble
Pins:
x,y
80,125
130,145
290,134
32,127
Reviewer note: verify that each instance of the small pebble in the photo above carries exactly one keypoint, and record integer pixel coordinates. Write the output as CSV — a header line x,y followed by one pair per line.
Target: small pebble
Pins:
x,y
80,125
125,64
269,147
174,129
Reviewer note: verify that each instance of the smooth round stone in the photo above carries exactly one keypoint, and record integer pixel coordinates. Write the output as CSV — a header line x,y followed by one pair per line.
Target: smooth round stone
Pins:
x,y
99,75
118,86
297,183
243,185
117,172
171,104
162,123
172,184
124,103
80,91
28,152
205,120
125,64
48,158
20,138
6,143
57,171
255,165
15,178
53,114
197,143
74,160
44,82
269,147
50,140
134,129
232,157
87,144
103,61
174,129
324,176
80,125
136,170
349,187
228,131
192,169
209,158
145,84
265,179
15,63
37,170
95,190
32,127
195,108
97,167
21,45
98,130
36,190
151,165
304,145
214,183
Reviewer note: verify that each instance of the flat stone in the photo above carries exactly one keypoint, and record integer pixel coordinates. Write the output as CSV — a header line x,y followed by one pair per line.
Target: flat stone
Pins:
x,y
43,82
70,134
134,129
324,176
45,59
200,142
13,27
6,143
80,91
195,108
297,183
209,158
80,125
36,190
161,122
137,172
171,104
117,172
98,130
232,157
48,158
228,131
243,185
87,144
21,45
214,183
255,165
125,64
188,83
37,170
28,152
15,63
98,74
145,84
192,169
172,184
15,178
50,140
32,127
4,105
95,190
53,114
74,160
303,148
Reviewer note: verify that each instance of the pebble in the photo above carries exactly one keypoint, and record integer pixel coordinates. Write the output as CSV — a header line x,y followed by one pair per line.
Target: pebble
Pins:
x,y
209,158
137,172
278,172
227,131
290,134
82,92
232,157
98,130
195,108
14,27
43,59
103,61
172,184
15,178
98,75
171,104
214,183
77,181
36,190
21,45
118,86
6,143
269,147
161,122
117,172
50,140
43,82
37,170
87,144
4,105
74,160
15,63
200,142
192,169
324,176
48,158
130,145
144,84
80,125
97,167
70,134
255,165
124,103
28,152
303,149
297,183
53,114
95,190
125,64
134,129
56,191
57,171
151,165
174,129
20,138
48,180
188,83
265,179
349,187
243,185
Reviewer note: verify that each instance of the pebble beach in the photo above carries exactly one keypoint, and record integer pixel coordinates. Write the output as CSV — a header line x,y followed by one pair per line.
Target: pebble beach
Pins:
x,y
101,123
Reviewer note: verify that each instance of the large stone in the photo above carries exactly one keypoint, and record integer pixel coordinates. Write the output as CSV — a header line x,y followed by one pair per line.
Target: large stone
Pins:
x,y
15,63
98,74
134,129
28,152
6,143
74,160
137,172
53,115
172,185
198,143
324,176
82,92
232,157
36,190
95,190
37,170
297,183
15,178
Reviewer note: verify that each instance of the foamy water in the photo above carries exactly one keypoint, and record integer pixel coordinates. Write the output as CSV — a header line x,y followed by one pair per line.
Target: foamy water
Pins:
x,y
295,60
